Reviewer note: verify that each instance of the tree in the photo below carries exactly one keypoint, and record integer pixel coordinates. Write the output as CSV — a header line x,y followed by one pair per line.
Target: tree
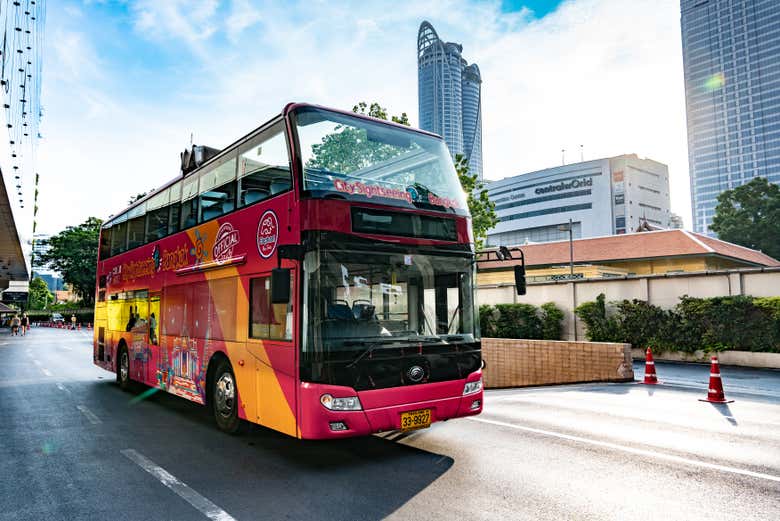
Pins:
x,y
482,209
39,295
749,215
338,152
73,253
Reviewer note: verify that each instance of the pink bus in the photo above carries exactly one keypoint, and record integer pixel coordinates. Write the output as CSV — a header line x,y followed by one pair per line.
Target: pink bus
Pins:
x,y
315,277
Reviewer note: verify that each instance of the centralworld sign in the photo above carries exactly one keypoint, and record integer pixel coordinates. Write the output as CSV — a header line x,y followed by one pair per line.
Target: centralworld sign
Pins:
x,y
558,187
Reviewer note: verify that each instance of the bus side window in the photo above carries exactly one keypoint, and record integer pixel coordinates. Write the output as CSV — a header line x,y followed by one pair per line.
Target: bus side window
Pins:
x,y
189,203
264,167
174,217
267,320
105,243
218,190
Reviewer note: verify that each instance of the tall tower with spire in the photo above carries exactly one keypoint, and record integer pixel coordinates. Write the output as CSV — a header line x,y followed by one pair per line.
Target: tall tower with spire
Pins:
x,y
450,96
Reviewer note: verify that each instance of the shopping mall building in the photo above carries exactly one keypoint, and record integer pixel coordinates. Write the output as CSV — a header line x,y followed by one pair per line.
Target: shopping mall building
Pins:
x,y
601,197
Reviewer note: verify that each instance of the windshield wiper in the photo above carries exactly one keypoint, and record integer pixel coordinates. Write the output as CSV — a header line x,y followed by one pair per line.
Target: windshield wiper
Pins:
x,y
371,346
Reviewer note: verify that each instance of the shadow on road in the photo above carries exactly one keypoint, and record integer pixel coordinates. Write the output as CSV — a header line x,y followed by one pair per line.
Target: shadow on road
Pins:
x,y
725,411
264,471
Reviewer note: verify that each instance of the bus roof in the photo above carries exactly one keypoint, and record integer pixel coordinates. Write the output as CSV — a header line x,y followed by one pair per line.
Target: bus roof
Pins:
x,y
275,119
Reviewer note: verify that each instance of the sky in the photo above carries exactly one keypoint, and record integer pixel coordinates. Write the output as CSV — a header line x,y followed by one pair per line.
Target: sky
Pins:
x,y
127,83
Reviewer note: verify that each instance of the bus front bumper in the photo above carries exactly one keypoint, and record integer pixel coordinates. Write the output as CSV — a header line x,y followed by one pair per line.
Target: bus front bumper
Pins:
x,y
382,409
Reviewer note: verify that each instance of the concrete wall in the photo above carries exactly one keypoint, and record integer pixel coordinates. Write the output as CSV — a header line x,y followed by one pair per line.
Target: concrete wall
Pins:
x,y
661,290
517,363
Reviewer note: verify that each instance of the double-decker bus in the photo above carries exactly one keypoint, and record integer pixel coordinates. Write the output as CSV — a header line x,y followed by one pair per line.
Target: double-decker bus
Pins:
x,y
315,277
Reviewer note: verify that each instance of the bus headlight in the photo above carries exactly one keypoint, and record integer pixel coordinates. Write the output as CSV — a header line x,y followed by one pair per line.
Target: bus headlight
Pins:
x,y
472,387
341,404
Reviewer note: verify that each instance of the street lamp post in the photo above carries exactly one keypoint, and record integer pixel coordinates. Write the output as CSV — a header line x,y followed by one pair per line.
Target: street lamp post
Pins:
x,y
569,228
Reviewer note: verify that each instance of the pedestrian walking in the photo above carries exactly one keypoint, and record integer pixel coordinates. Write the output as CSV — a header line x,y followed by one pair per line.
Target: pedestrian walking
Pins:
x,y
25,323
15,322
73,322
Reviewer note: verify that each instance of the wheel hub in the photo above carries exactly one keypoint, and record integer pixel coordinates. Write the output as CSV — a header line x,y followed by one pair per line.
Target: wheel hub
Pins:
x,y
225,395
124,366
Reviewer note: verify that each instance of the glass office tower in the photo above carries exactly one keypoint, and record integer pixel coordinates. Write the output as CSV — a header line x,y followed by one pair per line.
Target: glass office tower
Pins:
x,y
449,96
731,57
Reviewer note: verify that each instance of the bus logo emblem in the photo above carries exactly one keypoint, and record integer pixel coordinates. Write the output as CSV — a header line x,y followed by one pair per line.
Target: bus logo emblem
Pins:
x,y
415,373
267,234
227,239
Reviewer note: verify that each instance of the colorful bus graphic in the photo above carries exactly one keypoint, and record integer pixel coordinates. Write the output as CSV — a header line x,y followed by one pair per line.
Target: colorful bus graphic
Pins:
x,y
315,277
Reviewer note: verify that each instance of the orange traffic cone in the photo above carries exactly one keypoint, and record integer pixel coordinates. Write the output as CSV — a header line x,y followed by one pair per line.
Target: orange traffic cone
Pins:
x,y
650,376
715,393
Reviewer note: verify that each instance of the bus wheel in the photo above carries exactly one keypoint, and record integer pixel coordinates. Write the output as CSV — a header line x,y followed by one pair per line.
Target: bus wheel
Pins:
x,y
224,398
123,369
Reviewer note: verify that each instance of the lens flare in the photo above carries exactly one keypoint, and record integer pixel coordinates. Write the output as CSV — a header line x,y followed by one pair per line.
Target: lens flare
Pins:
x,y
47,448
144,395
715,82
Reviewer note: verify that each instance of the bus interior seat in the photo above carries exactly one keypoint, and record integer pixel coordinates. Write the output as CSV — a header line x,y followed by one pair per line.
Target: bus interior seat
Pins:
x,y
279,185
363,310
252,195
212,212
339,311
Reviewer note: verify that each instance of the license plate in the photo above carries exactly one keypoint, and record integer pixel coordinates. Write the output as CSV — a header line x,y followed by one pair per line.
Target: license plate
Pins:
x,y
415,419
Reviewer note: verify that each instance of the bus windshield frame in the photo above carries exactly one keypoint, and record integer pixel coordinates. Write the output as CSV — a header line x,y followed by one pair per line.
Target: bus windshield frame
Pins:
x,y
355,158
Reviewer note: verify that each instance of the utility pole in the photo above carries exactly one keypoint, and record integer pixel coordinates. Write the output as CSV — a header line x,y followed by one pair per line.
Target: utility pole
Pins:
x,y
570,228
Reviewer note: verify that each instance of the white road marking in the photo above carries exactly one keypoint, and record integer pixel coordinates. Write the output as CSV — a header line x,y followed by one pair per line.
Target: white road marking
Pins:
x,y
93,419
45,371
205,506
632,450
63,388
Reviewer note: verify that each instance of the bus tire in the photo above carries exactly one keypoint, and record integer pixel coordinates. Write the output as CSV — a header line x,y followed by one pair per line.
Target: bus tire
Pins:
x,y
224,398
123,368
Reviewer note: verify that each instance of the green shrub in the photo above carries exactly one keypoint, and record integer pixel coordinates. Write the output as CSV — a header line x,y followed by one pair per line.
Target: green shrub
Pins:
x,y
518,321
487,320
708,324
552,321
599,326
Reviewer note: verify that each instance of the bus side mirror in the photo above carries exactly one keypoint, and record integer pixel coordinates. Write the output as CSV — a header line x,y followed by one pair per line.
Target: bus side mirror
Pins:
x,y
280,285
520,279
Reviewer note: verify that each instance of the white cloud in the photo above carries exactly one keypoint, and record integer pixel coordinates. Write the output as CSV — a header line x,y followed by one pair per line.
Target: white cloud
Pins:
x,y
603,73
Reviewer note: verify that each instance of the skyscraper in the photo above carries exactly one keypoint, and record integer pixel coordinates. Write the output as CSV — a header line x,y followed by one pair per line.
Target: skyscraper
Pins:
x,y
731,57
449,96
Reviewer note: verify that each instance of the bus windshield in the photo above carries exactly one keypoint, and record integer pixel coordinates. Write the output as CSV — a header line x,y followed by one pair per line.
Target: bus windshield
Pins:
x,y
353,158
358,300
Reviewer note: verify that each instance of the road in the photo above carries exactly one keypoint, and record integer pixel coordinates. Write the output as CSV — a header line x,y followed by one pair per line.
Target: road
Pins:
x,y
75,447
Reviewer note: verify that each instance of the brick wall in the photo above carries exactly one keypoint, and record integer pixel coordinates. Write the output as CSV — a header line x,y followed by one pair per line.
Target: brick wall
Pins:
x,y
518,363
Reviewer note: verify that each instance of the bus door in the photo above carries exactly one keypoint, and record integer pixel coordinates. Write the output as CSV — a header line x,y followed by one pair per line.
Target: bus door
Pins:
x,y
270,341
152,337
138,325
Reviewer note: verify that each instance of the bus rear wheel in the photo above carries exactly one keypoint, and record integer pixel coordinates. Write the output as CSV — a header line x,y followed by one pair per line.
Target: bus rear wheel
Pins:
x,y
224,398
123,369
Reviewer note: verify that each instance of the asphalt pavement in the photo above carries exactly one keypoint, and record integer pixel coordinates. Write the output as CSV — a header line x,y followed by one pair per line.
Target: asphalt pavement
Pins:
x,y
73,446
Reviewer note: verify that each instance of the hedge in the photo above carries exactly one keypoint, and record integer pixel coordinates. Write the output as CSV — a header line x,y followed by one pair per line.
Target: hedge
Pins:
x,y
521,321
83,316
709,324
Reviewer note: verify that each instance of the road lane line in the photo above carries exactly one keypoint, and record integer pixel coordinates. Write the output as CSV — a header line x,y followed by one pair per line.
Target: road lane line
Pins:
x,y
93,419
63,388
45,371
205,506
632,450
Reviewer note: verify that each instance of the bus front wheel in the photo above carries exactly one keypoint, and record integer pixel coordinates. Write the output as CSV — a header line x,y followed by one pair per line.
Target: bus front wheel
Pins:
x,y
224,398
